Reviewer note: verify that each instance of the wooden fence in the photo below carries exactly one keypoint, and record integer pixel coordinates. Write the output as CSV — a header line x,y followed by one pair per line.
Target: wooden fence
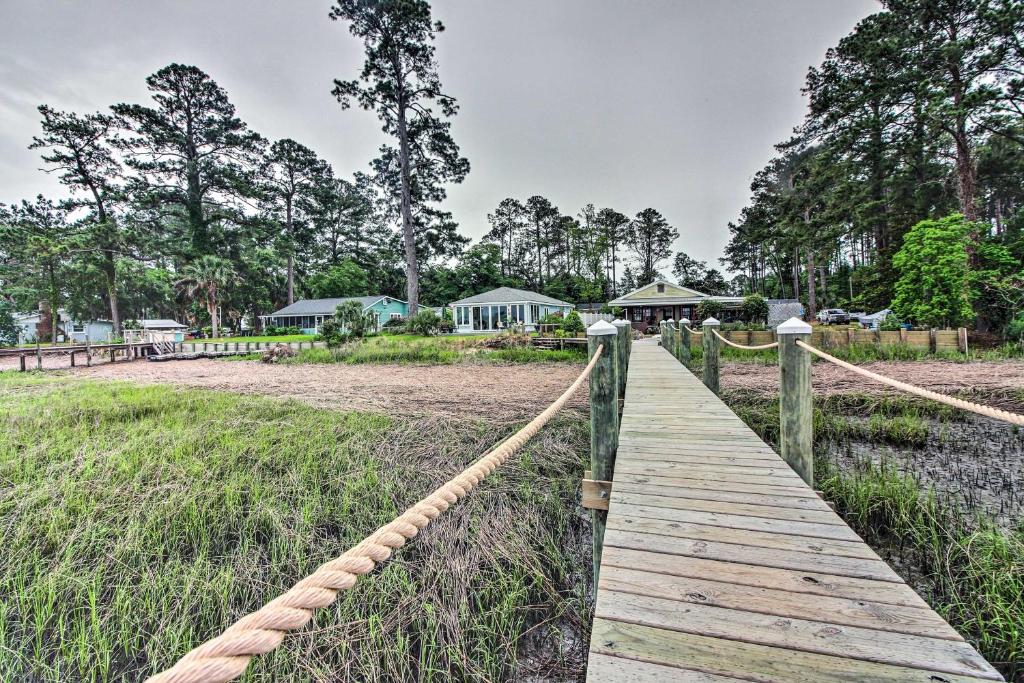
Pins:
x,y
930,340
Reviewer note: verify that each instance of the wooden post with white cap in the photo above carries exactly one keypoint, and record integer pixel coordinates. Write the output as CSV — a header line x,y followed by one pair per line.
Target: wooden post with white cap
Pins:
x,y
796,404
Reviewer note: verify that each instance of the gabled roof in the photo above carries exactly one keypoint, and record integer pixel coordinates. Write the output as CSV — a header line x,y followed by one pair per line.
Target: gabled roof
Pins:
x,y
510,295
327,306
673,293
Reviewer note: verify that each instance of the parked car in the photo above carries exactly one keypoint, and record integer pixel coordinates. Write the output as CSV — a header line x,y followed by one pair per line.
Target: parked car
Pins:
x,y
833,316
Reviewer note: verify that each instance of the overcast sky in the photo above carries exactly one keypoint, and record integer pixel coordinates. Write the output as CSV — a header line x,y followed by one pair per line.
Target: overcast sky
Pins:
x,y
673,104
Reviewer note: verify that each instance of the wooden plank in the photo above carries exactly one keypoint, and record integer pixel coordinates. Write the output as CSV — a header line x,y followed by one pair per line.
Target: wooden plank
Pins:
x,y
747,660
809,502
864,613
652,499
779,526
900,649
606,668
719,485
824,560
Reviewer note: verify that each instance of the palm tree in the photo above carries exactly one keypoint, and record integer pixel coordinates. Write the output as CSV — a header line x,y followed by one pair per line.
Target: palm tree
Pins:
x,y
203,278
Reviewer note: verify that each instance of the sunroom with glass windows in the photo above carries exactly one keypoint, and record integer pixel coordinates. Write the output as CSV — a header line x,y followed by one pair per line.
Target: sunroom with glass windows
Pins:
x,y
504,308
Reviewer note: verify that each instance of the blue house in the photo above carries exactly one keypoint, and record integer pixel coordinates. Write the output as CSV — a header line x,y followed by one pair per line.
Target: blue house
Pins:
x,y
308,314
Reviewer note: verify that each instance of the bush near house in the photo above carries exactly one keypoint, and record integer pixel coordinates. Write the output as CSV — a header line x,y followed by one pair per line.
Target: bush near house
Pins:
x,y
573,323
710,308
424,323
755,309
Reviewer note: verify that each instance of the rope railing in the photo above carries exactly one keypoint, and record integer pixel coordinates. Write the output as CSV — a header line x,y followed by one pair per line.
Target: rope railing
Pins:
x,y
758,347
226,657
692,331
987,411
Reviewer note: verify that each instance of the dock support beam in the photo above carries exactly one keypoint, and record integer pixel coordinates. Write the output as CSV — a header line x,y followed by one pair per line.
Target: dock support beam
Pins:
x,y
796,404
685,340
711,345
604,420
625,343
673,336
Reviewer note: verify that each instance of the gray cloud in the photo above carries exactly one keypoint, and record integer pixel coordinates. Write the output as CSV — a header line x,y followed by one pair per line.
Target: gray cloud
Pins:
x,y
666,103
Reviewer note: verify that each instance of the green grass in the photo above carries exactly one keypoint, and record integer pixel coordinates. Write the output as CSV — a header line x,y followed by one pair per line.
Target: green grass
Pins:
x,y
430,351
894,420
136,522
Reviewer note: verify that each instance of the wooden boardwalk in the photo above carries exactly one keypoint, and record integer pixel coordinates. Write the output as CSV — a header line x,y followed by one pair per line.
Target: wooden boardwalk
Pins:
x,y
720,564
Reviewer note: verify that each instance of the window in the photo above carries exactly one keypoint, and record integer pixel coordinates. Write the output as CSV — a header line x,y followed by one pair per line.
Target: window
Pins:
x,y
638,315
661,288
77,327
396,316
534,313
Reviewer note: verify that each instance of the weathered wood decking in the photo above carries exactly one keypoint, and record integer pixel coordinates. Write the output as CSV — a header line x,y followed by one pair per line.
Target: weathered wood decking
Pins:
x,y
720,564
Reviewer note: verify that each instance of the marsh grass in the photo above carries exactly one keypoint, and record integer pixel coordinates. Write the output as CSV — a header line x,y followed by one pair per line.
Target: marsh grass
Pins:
x,y
136,522
430,351
895,420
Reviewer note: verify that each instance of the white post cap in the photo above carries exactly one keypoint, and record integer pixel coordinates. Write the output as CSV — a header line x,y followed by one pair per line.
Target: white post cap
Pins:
x,y
600,328
711,322
685,321
794,326
619,322
670,321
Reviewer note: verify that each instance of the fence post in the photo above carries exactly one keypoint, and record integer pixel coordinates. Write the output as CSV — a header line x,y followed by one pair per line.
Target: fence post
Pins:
x,y
932,340
961,339
796,405
604,420
39,356
625,334
684,341
711,354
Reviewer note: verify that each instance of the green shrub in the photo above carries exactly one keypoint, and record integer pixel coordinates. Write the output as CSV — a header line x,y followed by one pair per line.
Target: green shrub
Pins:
x,y
573,324
755,309
890,323
332,332
709,308
425,323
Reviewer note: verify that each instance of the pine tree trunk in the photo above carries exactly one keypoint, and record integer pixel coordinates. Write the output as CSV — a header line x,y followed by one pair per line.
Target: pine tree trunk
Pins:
x,y
812,303
291,251
110,274
412,277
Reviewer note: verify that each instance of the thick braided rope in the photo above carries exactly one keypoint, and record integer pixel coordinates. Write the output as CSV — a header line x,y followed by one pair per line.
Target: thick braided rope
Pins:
x,y
733,344
987,411
226,657
693,331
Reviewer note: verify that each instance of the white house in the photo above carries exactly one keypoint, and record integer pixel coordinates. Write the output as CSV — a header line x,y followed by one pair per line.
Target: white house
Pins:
x,y
497,309
68,329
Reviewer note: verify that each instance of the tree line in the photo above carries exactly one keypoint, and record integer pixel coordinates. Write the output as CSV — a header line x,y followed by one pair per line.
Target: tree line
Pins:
x,y
915,116
178,208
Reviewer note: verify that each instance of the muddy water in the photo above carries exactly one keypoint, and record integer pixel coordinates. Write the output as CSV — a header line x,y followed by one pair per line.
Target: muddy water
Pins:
x,y
976,463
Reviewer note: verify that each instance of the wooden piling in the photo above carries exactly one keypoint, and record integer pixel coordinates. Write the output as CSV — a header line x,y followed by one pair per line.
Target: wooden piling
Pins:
x,y
961,339
711,345
21,361
796,404
72,359
685,340
624,342
604,420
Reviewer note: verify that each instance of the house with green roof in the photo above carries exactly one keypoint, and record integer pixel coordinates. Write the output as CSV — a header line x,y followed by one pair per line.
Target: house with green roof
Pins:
x,y
499,308
309,314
